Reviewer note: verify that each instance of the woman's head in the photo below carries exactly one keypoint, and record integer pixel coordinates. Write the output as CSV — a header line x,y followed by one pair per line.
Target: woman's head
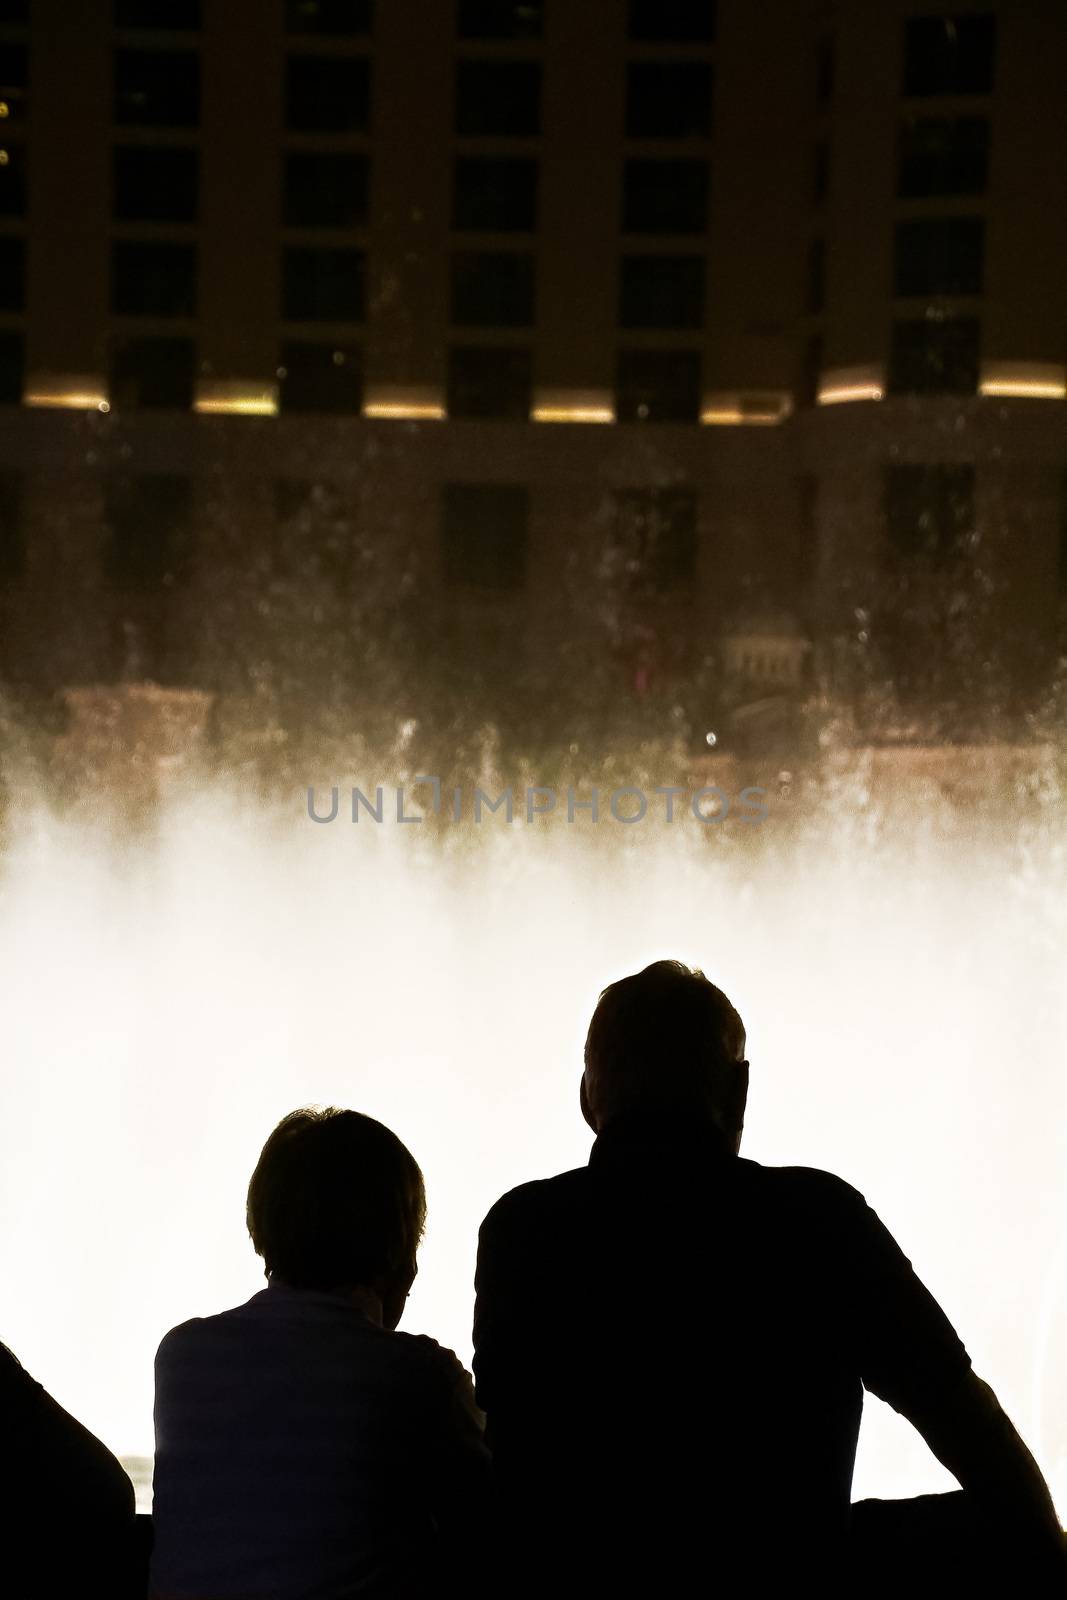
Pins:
x,y
336,1201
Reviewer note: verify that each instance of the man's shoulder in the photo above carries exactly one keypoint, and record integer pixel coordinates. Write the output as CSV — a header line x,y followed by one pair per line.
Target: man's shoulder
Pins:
x,y
539,1199
812,1184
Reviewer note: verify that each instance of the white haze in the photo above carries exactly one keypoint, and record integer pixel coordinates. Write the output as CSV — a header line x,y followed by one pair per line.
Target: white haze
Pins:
x,y
165,1002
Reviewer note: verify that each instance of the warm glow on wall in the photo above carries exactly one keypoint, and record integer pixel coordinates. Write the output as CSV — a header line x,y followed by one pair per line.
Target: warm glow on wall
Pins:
x,y
572,414
840,385
1024,380
65,392
232,398
754,409
554,404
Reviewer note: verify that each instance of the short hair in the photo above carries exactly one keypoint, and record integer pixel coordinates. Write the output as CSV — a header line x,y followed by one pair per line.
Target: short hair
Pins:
x,y
336,1199
656,1040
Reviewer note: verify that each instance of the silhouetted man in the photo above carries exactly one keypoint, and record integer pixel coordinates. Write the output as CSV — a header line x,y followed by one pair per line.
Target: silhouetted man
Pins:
x,y
671,1344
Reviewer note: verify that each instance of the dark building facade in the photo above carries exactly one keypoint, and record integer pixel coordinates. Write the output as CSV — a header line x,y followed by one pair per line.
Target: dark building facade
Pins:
x,y
659,358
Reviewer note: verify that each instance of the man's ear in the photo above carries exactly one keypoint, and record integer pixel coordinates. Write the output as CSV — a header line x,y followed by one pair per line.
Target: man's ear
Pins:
x,y
583,1098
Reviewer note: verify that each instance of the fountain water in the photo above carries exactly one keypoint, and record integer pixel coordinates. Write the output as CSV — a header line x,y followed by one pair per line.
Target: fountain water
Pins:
x,y
170,994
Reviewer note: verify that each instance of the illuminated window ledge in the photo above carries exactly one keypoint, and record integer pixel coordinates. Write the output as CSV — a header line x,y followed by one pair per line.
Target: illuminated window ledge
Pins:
x,y
843,385
573,405
65,392
403,403
764,408
1023,380
225,397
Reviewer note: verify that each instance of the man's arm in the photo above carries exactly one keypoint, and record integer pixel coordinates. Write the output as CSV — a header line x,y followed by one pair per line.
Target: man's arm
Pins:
x,y
911,1357
461,1478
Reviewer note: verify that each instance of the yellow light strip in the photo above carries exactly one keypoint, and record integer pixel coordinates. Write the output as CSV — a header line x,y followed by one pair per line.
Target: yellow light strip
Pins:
x,y
66,400
240,407
403,411
734,417
226,397
841,394
572,414
1023,389
753,408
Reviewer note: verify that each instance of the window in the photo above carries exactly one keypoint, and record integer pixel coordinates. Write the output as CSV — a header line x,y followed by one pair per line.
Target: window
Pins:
x,y
815,298
156,185
655,534
327,94
949,55
929,356
12,367
494,194
313,534
492,289
177,15
489,383
658,386
153,280
940,255
14,12
12,529
337,18
665,197
662,292
499,19
12,180
321,377
668,100
684,21
943,155
153,373
148,531
484,527
12,274
157,88
324,189
929,510
13,82
323,285
498,98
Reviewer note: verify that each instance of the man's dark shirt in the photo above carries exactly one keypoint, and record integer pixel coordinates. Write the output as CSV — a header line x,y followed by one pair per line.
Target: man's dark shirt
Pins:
x,y
66,1505
671,1346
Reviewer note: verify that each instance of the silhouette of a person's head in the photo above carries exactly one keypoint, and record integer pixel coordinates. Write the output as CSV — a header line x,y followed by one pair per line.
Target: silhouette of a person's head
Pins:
x,y
666,1042
337,1202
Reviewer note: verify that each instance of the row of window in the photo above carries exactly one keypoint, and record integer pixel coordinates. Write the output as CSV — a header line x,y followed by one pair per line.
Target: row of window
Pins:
x,y
332,94
155,278
651,533
496,289
667,21
329,188
942,56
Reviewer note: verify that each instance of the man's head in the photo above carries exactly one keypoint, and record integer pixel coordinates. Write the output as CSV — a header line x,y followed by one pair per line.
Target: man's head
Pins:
x,y
337,1202
666,1041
